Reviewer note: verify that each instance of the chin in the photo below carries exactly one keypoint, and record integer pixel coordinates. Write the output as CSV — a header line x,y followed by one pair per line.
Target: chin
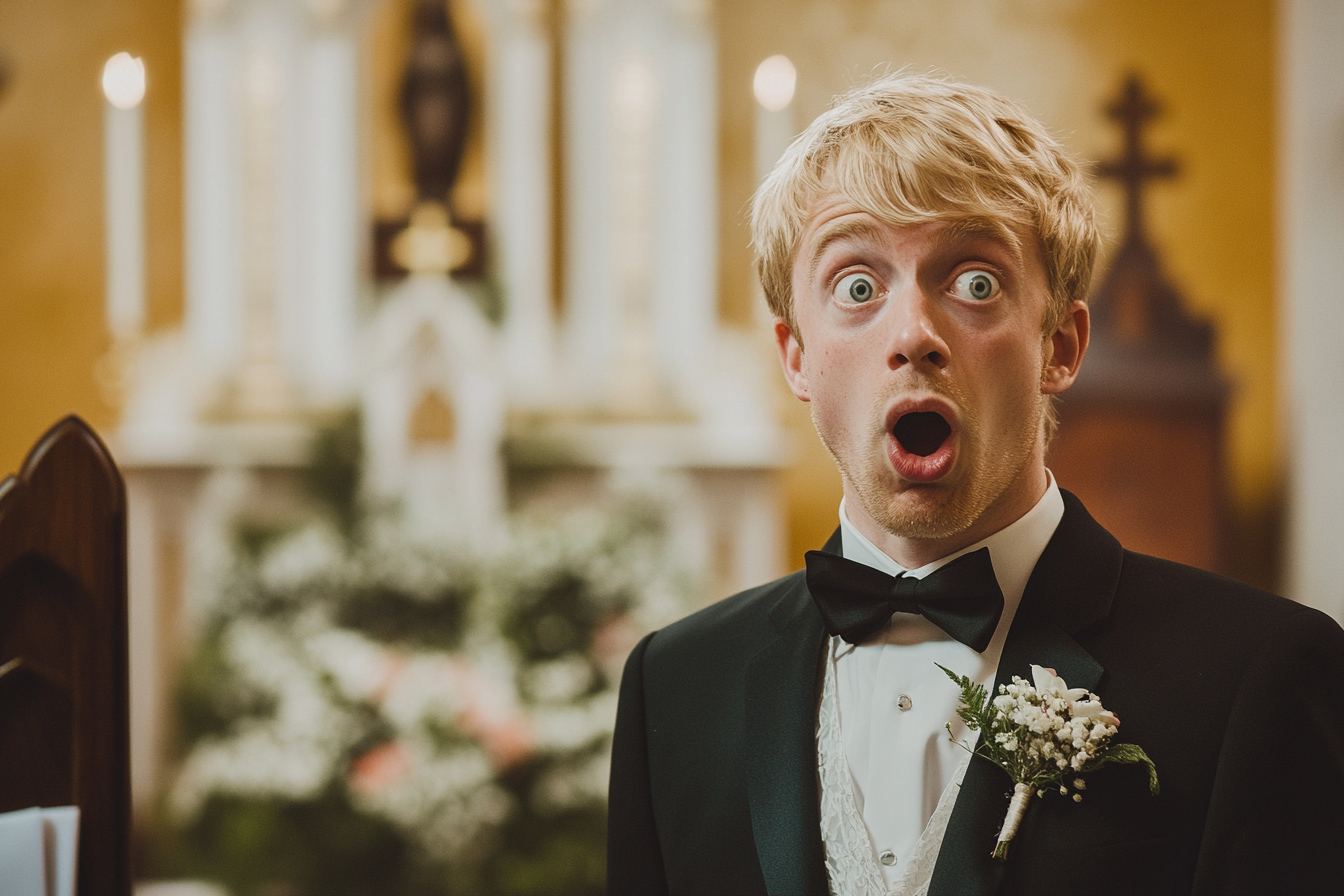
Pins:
x,y
923,512
936,510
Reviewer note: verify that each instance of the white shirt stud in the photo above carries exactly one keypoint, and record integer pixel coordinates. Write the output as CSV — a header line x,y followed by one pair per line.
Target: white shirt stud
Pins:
x,y
903,703
887,857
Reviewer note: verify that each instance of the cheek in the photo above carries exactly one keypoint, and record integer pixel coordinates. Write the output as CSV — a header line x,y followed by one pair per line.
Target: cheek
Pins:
x,y
832,389
1013,376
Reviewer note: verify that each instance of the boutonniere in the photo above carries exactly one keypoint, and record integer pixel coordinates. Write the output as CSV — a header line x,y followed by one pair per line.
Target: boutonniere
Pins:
x,y
1045,735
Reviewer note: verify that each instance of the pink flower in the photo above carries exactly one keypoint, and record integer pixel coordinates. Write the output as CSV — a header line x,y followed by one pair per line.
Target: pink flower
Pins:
x,y
490,714
380,768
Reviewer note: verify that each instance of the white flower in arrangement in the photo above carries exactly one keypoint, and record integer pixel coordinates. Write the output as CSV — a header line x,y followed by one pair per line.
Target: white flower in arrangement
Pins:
x,y
570,727
312,551
560,680
1045,735
421,686
288,753
1048,683
360,667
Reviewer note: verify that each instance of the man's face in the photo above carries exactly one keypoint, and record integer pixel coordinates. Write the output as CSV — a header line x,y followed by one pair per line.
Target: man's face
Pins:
x,y
923,358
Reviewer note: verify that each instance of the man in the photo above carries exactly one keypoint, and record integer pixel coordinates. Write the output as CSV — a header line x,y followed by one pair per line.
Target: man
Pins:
x,y
926,248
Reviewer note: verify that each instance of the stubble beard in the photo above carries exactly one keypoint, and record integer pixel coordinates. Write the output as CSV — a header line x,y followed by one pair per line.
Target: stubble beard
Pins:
x,y
933,510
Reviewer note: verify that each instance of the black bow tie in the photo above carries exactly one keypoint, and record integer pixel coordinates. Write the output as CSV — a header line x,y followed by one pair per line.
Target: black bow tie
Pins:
x,y
962,598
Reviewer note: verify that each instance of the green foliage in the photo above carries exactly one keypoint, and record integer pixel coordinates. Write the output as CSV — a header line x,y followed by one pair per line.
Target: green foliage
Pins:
x,y
548,851
975,708
253,537
551,854
433,620
212,700
1130,754
557,617
317,847
332,476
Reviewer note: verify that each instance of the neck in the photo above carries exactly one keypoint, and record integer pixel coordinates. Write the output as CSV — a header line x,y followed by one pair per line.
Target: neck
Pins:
x,y
913,552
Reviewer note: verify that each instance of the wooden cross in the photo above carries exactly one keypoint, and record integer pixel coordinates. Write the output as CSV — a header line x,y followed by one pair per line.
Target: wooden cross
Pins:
x,y
1133,109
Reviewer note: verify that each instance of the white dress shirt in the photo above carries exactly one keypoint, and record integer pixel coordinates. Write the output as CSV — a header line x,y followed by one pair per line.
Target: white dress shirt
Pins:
x,y
901,759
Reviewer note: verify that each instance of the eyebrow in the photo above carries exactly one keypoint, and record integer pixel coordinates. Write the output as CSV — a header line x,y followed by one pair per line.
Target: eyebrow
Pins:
x,y
979,226
833,233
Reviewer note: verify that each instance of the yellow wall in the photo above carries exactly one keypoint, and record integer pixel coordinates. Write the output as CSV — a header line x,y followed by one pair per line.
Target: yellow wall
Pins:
x,y
1212,65
51,200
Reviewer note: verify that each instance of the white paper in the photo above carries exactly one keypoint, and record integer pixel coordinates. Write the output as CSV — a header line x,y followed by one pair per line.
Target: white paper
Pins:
x,y
60,827
22,858
38,851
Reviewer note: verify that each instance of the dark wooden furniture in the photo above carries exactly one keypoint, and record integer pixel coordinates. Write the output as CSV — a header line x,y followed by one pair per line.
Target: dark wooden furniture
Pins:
x,y
1141,432
64,703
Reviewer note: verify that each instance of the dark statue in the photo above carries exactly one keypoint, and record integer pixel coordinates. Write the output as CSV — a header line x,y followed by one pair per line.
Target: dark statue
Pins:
x,y
435,101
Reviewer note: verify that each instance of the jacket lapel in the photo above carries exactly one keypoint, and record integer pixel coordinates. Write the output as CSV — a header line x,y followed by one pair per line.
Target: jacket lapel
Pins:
x,y
781,753
1070,589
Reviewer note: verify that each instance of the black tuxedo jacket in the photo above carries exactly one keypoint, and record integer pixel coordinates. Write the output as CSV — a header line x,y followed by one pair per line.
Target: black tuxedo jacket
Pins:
x,y
1234,693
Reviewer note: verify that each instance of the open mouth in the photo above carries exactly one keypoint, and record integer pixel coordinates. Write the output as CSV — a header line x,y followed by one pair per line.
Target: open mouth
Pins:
x,y
922,433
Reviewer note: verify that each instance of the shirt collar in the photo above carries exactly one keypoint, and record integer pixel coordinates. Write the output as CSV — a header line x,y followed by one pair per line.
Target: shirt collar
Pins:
x,y
1013,550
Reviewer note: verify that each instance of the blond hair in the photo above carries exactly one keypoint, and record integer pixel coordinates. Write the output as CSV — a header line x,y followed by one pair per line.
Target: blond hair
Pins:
x,y
910,149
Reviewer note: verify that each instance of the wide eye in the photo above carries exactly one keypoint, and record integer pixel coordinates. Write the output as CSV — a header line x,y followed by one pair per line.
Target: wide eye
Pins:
x,y
856,288
976,286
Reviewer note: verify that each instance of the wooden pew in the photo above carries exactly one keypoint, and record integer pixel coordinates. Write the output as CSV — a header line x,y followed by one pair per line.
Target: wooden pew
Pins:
x,y
64,702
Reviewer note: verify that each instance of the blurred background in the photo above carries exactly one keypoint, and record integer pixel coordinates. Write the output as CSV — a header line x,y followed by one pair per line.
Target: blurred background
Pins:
x,y
427,338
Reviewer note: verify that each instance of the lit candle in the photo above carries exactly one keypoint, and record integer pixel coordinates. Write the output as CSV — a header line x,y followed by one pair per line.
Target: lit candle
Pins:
x,y
773,85
123,191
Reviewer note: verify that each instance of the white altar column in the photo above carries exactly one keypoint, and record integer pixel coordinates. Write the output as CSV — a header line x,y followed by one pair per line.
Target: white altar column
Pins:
x,y
759,534
1311,235
640,165
518,109
272,321
274,217
592,287
330,214
684,294
212,188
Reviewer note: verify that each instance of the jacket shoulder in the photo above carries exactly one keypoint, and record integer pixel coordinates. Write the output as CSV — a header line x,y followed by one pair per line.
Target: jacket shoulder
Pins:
x,y
1212,603
735,625
1168,580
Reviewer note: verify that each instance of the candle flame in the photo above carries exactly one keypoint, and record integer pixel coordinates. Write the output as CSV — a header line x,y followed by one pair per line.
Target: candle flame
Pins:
x,y
124,80
774,83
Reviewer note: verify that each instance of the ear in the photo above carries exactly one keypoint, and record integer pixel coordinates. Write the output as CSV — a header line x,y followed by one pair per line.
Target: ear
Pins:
x,y
1064,350
791,359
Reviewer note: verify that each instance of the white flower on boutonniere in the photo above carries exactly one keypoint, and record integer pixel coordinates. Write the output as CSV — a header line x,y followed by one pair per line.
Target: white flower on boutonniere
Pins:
x,y
1045,735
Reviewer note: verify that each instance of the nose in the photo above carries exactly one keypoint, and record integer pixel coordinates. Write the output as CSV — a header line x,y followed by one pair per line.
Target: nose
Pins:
x,y
914,333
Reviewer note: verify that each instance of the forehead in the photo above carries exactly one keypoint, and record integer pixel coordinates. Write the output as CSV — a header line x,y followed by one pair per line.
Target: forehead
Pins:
x,y
835,219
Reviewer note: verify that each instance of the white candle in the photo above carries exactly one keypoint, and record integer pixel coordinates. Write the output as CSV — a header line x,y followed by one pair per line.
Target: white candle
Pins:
x,y
123,191
773,86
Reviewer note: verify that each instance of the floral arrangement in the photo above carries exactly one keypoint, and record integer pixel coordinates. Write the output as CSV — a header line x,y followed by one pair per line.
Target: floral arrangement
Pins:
x,y
365,714
1045,735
